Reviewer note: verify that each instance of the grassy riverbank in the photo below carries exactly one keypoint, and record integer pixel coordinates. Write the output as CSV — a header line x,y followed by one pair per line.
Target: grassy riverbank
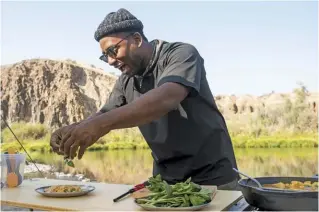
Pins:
x,y
36,137
289,125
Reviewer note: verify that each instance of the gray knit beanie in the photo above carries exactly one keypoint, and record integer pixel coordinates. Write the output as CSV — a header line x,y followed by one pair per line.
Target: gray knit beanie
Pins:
x,y
120,21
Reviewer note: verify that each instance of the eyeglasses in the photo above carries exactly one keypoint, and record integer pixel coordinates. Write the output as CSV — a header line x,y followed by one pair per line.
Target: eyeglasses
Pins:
x,y
112,50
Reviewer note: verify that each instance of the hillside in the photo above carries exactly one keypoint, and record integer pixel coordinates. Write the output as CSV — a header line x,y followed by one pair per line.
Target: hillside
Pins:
x,y
56,93
51,92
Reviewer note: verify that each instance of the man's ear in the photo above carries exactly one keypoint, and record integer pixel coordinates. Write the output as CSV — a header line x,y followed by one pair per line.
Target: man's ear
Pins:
x,y
138,39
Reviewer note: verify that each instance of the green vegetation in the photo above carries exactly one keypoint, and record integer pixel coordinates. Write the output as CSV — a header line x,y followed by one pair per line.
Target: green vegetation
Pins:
x,y
184,194
295,117
34,139
293,124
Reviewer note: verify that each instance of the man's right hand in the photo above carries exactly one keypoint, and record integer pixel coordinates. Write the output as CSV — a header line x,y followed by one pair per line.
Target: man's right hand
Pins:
x,y
57,136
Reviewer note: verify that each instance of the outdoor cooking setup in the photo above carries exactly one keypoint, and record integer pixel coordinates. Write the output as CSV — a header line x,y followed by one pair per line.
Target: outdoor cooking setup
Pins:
x,y
256,194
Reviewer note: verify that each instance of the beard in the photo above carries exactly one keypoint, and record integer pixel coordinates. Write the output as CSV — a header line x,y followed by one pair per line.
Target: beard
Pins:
x,y
137,65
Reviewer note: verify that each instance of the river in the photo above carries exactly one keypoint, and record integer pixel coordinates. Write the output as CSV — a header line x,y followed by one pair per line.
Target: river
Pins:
x,y
134,166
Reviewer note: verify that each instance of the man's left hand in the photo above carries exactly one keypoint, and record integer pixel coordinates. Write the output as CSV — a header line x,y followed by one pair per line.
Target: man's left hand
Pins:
x,y
83,135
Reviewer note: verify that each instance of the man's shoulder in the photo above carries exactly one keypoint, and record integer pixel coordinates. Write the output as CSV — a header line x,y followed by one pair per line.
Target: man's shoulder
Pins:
x,y
172,51
178,46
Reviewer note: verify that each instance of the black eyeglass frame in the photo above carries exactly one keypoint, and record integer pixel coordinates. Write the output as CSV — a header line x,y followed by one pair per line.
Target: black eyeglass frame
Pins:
x,y
111,51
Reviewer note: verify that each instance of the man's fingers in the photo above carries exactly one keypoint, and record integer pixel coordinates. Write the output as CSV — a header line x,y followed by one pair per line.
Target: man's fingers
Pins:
x,y
73,149
81,151
56,149
67,145
59,152
54,143
65,137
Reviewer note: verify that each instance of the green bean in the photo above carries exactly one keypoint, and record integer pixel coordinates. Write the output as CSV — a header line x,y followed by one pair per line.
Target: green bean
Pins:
x,y
182,194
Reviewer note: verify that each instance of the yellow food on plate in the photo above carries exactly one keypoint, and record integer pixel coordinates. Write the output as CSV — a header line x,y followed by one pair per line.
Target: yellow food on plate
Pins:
x,y
295,185
63,189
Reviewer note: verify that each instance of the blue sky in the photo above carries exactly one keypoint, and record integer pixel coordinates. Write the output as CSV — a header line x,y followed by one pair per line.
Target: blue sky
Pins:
x,y
249,47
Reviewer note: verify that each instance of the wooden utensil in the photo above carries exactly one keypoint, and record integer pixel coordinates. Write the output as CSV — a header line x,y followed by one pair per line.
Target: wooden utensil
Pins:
x,y
17,171
12,177
141,193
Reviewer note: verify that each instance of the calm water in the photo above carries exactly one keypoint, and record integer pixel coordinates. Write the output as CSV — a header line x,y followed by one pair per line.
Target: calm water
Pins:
x,y
134,166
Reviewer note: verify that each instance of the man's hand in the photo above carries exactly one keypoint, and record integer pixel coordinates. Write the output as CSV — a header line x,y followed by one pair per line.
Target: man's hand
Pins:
x,y
57,136
82,135
55,141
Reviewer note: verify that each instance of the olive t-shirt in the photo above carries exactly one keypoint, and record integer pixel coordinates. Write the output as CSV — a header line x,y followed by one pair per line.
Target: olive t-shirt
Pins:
x,y
191,140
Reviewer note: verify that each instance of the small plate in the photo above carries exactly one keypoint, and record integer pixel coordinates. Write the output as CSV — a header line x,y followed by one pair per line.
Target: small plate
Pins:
x,y
193,208
85,189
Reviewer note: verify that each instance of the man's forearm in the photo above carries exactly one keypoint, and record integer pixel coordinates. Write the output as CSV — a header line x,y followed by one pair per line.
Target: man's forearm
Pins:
x,y
145,109
95,115
89,118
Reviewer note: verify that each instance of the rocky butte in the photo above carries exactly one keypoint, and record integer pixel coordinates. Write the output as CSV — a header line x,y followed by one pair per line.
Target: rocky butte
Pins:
x,y
57,93
52,92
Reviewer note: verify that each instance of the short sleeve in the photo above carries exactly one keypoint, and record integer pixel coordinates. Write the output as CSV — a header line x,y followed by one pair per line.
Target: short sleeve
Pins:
x,y
116,98
184,65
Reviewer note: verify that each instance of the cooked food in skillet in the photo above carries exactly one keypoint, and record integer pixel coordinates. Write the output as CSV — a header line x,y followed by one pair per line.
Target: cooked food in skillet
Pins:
x,y
63,189
295,185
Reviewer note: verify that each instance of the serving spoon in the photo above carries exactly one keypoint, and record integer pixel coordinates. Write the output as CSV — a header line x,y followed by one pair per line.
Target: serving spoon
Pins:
x,y
270,189
264,188
245,175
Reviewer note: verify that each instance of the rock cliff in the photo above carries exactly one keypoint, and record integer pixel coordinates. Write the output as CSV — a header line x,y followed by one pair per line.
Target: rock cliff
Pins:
x,y
249,104
56,93
51,92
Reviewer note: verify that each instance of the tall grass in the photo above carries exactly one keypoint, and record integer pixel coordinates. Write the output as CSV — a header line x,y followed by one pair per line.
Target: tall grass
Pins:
x,y
24,131
132,139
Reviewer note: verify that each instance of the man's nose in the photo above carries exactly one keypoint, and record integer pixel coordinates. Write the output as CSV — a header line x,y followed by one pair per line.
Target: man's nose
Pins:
x,y
111,61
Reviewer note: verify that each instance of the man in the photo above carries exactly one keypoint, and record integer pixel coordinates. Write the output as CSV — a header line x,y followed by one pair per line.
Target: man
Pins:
x,y
164,91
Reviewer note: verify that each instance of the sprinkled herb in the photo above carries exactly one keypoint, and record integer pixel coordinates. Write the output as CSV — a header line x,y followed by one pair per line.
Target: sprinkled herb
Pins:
x,y
68,162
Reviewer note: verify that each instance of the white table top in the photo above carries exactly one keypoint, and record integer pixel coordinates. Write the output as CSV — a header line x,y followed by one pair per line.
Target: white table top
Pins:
x,y
101,199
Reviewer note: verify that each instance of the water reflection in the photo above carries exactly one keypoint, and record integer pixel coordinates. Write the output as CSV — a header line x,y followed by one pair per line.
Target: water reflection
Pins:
x,y
134,166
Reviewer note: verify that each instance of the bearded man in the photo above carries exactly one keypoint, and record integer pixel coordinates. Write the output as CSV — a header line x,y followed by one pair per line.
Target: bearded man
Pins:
x,y
163,90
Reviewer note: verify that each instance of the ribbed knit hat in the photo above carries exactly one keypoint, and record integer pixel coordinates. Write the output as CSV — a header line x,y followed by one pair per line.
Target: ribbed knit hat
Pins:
x,y
119,21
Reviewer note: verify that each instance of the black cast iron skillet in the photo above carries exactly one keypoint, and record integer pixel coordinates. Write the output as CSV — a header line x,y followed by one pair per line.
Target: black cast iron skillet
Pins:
x,y
279,200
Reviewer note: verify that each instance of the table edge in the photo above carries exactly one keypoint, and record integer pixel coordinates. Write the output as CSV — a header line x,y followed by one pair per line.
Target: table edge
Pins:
x,y
31,206
50,208
233,203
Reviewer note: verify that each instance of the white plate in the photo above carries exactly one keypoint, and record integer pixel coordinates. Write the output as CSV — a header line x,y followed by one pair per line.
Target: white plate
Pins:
x,y
85,189
193,208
